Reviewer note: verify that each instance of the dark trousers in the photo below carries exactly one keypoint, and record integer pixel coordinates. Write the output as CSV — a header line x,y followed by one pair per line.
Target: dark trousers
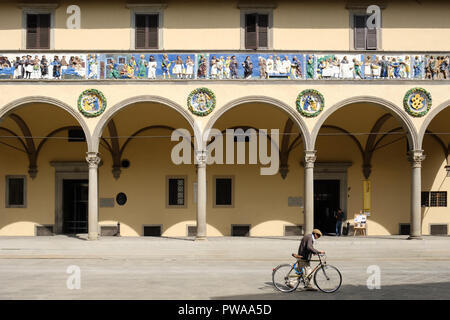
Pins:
x,y
338,227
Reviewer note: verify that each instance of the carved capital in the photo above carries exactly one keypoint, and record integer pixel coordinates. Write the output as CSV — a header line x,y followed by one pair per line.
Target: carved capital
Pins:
x,y
93,159
200,157
310,158
416,157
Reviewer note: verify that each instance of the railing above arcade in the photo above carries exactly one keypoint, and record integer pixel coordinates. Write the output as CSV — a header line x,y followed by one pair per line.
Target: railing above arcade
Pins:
x,y
224,66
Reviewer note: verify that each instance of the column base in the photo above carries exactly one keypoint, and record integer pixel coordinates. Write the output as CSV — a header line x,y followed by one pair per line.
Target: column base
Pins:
x,y
93,236
414,238
201,238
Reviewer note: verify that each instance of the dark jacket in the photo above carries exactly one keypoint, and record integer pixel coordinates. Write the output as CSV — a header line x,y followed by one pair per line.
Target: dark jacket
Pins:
x,y
306,248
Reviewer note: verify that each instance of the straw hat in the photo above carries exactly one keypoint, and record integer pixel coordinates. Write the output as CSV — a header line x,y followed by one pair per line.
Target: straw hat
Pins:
x,y
317,231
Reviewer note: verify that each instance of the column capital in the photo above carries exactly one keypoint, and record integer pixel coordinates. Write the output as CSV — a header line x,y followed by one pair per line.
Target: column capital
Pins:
x,y
93,159
310,158
416,157
200,157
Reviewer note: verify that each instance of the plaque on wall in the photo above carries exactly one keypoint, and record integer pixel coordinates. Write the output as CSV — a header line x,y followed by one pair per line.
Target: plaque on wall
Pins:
x,y
106,202
295,202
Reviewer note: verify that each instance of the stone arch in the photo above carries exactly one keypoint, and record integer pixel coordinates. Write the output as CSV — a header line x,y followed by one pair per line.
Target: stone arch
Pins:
x,y
111,112
385,104
294,115
433,113
55,102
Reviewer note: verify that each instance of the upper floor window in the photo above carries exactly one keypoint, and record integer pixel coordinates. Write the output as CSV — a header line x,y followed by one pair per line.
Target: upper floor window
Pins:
x,y
363,37
38,31
146,31
146,25
256,31
256,25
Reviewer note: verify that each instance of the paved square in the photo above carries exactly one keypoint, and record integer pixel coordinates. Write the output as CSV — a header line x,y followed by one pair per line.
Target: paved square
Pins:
x,y
219,268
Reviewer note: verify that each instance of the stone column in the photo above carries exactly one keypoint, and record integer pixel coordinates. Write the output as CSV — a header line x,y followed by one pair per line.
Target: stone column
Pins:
x,y
416,157
201,194
93,160
310,158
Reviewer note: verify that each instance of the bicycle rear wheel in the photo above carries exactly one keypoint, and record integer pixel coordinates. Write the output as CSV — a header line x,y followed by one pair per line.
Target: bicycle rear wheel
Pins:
x,y
285,278
327,278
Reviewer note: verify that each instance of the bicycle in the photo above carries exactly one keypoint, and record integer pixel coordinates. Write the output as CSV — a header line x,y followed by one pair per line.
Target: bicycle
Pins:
x,y
287,277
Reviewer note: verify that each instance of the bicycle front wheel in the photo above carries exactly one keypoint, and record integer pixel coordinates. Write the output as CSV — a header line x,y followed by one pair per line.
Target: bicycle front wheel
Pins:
x,y
328,279
284,278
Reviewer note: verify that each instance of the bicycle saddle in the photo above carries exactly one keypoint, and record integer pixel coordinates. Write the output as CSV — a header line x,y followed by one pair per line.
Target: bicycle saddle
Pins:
x,y
296,256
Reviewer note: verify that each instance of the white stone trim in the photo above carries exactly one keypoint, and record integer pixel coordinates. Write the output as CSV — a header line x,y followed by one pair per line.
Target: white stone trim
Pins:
x,y
360,11
259,10
146,9
63,171
38,9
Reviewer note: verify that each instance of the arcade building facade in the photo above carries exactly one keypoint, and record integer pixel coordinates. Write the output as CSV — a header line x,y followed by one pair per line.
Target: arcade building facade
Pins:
x,y
93,91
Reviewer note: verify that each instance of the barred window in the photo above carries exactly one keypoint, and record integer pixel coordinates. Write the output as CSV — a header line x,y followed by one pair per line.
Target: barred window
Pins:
x,y
438,199
434,199
176,191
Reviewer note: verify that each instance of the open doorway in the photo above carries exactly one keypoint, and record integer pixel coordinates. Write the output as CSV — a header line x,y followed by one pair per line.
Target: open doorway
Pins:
x,y
75,206
326,202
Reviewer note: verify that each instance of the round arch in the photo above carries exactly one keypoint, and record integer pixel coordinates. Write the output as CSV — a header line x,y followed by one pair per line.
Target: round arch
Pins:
x,y
294,115
433,113
55,102
387,105
111,112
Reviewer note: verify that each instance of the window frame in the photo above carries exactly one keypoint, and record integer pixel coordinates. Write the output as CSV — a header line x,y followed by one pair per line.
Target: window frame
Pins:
x,y
357,11
257,10
7,178
39,9
156,9
429,194
175,206
215,205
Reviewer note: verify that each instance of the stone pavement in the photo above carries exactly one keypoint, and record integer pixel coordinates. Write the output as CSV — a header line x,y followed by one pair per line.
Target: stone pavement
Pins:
x,y
219,268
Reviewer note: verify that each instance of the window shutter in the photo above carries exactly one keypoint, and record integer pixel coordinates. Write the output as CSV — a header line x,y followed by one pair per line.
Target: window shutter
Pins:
x,y
371,39
152,30
44,31
250,31
32,31
263,29
360,32
146,31
140,31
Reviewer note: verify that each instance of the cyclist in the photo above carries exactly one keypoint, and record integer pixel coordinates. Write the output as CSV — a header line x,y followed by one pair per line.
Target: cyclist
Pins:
x,y
305,250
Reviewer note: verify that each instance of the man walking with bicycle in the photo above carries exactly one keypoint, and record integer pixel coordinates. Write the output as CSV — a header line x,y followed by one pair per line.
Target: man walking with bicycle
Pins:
x,y
305,251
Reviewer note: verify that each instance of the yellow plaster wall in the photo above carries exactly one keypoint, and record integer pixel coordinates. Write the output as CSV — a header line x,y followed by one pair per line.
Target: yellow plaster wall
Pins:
x,y
215,25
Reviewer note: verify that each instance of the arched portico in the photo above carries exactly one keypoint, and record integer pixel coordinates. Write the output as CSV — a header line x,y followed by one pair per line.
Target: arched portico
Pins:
x,y
119,131
426,123
367,147
118,107
53,136
385,104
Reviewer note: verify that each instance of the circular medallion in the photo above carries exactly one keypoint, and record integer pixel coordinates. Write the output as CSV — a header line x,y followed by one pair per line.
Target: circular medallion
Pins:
x,y
121,199
91,103
417,102
201,101
310,102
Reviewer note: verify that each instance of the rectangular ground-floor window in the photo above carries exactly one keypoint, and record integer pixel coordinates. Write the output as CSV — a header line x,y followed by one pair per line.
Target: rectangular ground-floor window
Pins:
x,y
152,231
176,192
223,191
15,192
